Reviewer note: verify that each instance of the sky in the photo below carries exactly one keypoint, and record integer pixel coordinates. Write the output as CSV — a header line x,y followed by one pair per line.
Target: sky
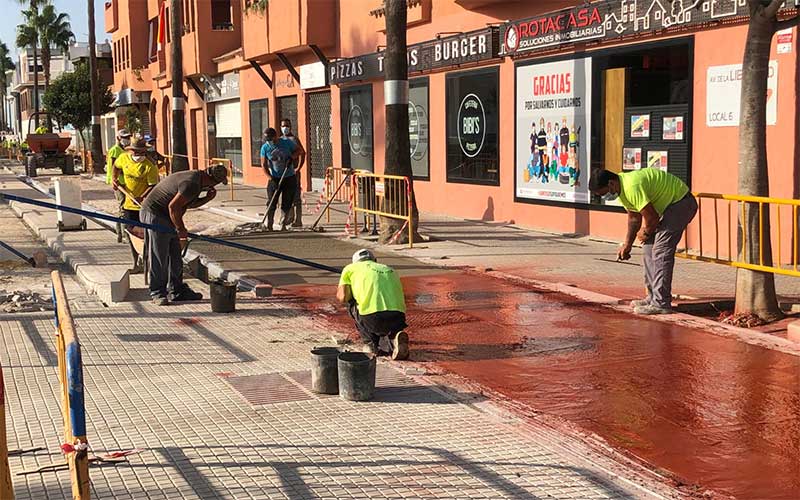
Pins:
x,y
78,13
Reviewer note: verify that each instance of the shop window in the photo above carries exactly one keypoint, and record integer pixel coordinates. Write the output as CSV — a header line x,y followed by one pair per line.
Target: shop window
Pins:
x,y
221,15
553,112
356,126
643,119
418,129
231,148
472,138
259,120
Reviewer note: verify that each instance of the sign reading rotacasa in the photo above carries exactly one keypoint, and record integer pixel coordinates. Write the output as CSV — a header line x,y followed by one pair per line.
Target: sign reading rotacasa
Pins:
x,y
614,19
474,46
578,24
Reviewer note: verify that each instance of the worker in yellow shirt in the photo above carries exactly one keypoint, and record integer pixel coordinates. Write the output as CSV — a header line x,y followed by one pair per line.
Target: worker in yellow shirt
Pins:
x,y
117,150
139,176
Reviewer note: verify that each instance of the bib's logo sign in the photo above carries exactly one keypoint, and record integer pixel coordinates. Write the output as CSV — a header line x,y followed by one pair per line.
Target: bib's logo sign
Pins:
x,y
574,25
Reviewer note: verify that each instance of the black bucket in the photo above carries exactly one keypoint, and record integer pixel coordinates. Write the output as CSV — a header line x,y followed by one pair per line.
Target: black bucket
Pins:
x,y
223,296
324,370
356,376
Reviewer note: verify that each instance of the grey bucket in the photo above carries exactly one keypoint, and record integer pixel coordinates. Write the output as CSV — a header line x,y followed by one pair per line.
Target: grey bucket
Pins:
x,y
356,376
325,370
223,296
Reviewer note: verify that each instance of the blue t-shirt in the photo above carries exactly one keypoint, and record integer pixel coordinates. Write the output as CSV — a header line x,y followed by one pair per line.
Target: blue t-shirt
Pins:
x,y
279,157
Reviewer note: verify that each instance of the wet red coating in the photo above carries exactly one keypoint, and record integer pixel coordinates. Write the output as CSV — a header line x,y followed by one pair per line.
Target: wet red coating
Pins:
x,y
714,411
187,321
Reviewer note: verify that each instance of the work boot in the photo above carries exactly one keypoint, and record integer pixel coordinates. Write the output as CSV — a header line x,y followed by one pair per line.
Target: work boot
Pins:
x,y
652,309
640,302
159,301
400,344
270,223
187,295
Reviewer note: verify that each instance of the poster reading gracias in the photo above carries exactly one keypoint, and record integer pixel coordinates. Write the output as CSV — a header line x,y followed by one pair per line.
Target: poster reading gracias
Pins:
x,y
552,143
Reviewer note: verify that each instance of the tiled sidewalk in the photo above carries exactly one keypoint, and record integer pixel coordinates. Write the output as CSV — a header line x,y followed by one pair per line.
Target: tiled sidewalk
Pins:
x,y
162,379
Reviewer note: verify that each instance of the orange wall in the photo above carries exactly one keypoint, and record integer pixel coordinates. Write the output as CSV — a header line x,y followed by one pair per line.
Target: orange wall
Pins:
x,y
715,149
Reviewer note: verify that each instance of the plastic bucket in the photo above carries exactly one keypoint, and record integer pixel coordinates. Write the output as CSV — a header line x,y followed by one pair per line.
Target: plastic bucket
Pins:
x,y
325,370
356,376
223,296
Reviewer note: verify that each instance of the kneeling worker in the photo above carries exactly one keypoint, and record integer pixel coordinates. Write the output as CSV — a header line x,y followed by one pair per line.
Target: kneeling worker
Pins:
x,y
376,303
659,207
165,206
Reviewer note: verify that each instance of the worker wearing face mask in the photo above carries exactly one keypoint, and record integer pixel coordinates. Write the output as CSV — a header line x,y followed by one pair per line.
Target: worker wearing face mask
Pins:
x,y
659,206
140,175
117,150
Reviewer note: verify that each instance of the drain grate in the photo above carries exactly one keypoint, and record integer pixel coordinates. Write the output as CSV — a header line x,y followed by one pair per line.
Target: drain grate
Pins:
x,y
268,388
152,337
438,318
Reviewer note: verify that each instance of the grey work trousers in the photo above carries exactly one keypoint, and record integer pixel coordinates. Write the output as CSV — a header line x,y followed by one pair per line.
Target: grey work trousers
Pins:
x,y
165,271
659,250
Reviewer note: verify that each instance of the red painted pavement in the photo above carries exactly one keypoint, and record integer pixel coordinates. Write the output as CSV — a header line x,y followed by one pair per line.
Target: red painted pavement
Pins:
x,y
714,411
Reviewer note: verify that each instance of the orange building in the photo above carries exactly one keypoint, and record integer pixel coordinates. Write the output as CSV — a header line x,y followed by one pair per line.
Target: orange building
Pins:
x,y
513,102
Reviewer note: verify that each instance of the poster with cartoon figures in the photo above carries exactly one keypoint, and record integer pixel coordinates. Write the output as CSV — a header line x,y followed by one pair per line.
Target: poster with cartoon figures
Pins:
x,y
553,124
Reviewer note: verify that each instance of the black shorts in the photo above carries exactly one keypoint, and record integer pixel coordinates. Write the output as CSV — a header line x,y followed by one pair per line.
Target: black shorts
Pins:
x,y
130,215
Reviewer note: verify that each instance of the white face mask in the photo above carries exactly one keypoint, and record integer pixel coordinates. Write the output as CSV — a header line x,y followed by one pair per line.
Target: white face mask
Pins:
x,y
137,158
286,130
125,142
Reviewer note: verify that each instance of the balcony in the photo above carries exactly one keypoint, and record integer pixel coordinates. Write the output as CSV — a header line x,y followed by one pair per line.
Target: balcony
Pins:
x,y
290,25
112,15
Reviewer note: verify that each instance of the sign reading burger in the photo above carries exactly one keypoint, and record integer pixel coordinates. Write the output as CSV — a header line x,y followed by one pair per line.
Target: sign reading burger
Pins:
x,y
572,25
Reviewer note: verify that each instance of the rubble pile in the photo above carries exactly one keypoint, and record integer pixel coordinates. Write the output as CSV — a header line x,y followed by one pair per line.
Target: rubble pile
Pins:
x,y
24,301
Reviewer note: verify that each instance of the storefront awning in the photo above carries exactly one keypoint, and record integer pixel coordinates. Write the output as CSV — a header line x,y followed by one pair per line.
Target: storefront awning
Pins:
x,y
126,97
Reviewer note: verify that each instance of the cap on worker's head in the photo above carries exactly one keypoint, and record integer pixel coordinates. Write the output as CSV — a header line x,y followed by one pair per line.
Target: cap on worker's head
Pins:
x,y
123,132
363,254
138,145
149,139
218,172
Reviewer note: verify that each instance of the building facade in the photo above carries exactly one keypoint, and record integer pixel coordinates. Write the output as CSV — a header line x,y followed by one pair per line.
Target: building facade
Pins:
x,y
512,102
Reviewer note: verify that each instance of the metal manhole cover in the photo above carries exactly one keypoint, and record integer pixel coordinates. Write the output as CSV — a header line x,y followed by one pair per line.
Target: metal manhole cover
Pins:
x,y
438,318
151,337
268,388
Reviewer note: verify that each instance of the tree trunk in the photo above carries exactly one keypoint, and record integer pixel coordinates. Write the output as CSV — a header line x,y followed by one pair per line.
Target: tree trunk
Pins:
x,y
398,148
46,67
755,291
97,144
35,85
179,160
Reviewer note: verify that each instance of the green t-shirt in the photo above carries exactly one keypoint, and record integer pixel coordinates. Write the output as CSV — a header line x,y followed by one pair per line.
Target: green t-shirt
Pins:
x,y
115,152
650,185
375,287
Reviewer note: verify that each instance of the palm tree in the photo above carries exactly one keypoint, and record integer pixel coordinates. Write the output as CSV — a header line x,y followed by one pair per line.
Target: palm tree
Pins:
x,y
27,37
55,32
5,64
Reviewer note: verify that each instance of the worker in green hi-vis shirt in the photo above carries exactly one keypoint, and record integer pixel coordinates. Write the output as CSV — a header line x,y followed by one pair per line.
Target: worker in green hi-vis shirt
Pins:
x,y
659,207
117,150
376,303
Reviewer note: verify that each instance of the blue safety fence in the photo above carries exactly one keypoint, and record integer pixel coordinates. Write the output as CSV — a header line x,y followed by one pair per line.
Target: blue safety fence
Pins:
x,y
170,230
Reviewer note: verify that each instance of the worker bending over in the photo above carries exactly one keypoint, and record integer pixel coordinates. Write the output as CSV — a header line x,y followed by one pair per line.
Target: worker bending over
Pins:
x,y
376,303
165,206
659,207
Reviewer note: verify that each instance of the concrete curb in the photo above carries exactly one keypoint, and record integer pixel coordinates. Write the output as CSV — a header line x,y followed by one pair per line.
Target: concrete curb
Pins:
x,y
214,270
111,283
